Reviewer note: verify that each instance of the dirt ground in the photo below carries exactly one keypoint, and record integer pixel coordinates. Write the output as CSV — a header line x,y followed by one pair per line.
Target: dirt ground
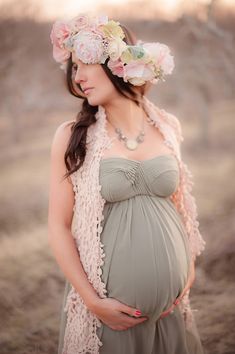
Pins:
x,y
34,101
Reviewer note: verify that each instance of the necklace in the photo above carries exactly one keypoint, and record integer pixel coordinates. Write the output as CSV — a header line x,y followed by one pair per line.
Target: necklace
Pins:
x,y
131,144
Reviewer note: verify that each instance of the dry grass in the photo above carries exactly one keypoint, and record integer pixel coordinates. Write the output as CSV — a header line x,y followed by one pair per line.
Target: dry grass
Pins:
x,y
31,287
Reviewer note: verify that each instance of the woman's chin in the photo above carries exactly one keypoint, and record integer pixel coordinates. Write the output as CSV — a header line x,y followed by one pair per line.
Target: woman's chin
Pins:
x,y
94,101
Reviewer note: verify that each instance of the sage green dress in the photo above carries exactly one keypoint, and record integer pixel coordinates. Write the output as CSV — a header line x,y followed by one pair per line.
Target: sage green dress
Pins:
x,y
146,256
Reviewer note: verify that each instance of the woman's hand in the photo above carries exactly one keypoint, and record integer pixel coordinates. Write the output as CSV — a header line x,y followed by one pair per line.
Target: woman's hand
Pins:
x,y
117,315
165,313
188,285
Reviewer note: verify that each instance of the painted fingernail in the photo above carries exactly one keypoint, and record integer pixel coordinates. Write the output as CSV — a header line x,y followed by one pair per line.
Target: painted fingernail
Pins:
x,y
137,313
176,301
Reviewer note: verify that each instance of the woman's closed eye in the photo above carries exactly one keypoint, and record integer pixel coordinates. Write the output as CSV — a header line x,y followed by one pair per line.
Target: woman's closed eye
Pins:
x,y
75,68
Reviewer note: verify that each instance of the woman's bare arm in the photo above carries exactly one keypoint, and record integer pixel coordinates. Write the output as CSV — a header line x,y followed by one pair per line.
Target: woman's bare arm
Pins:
x,y
60,213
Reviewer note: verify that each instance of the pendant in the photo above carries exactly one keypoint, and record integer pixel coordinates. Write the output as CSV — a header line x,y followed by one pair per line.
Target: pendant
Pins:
x,y
131,144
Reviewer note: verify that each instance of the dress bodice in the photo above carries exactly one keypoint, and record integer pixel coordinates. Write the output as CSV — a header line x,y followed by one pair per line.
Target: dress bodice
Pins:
x,y
123,178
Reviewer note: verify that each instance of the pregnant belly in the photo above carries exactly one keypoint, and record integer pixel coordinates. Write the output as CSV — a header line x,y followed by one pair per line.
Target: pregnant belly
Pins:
x,y
146,255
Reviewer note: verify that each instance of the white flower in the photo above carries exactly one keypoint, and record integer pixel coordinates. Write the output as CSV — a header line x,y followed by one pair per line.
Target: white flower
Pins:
x,y
138,73
115,48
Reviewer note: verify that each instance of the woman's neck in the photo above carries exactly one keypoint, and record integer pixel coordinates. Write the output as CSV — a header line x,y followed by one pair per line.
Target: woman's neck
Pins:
x,y
126,115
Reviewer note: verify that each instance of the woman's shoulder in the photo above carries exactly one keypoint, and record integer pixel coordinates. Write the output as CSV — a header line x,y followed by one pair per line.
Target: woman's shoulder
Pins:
x,y
62,135
64,127
63,130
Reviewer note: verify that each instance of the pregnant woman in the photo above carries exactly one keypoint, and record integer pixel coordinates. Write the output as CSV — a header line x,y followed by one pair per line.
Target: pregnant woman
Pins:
x,y
122,222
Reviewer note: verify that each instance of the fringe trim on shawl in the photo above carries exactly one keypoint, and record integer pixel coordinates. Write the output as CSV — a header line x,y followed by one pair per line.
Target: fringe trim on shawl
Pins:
x,y
80,332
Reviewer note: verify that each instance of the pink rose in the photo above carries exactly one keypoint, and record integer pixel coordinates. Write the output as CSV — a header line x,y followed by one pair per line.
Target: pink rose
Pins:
x,y
117,67
60,55
79,22
89,47
161,54
168,65
60,31
101,20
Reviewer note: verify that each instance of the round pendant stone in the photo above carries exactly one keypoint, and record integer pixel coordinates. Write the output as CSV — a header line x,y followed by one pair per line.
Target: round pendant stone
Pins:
x,y
131,144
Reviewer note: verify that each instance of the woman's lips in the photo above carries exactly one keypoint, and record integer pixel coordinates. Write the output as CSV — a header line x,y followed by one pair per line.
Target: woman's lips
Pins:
x,y
88,90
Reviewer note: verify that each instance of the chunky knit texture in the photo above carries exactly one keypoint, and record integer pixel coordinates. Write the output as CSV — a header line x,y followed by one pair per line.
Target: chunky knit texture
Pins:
x,y
80,332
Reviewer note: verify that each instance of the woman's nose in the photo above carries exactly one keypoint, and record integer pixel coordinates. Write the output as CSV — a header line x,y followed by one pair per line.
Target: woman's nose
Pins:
x,y
79,76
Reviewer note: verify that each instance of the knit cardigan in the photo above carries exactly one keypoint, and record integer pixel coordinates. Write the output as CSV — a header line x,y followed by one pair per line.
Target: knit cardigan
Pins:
x,y
80,335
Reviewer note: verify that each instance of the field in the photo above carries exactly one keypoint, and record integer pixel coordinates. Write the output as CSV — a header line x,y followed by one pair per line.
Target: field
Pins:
x,y
34,102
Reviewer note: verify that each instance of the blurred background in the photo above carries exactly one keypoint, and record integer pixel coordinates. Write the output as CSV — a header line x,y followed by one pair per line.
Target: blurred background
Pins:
x,y
34,101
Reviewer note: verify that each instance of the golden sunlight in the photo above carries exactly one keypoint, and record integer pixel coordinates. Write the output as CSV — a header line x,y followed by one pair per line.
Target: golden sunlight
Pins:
x,y
44,10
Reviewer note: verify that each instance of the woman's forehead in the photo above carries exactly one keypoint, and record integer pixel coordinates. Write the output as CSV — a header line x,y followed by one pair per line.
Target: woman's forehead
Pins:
x,y
75,59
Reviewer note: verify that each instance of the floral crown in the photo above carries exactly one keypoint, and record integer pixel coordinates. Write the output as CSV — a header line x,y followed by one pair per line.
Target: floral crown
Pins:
x,y
93,39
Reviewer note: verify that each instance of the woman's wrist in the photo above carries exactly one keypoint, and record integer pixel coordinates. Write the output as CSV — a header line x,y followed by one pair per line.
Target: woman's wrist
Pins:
x,y
92,302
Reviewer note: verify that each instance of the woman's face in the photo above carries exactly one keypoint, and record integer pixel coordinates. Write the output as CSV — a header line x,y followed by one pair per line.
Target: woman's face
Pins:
x,y
94,77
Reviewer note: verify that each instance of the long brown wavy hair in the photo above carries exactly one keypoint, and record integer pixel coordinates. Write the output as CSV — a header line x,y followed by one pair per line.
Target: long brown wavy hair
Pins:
x,y
76,149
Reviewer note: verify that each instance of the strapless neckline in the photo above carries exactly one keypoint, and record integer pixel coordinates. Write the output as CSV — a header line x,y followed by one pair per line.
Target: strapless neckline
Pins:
x,y
107,159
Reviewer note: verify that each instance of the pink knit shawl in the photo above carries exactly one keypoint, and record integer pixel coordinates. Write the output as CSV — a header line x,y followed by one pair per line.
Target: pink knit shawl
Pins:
x,y
80,332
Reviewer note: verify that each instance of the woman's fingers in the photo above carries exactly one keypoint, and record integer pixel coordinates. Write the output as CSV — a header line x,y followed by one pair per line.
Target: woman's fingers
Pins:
x,y
117,315
165,313
130,322
125,322
131,311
